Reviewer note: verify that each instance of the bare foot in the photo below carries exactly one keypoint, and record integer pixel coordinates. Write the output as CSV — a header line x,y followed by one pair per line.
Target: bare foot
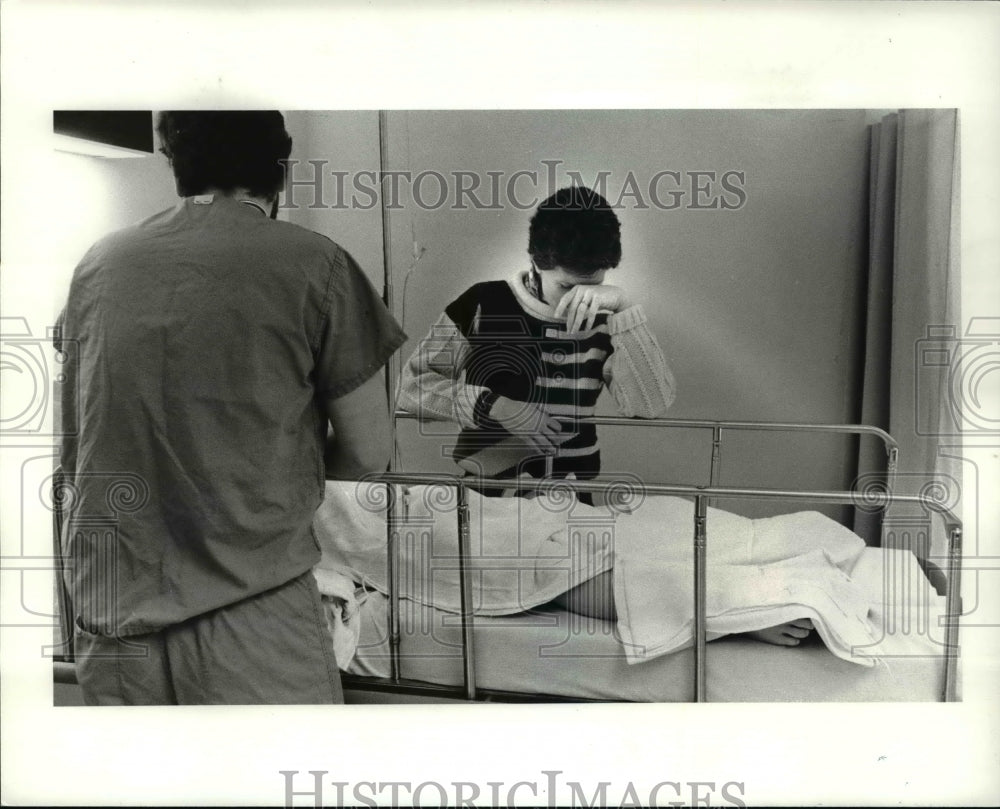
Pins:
x,y
790,634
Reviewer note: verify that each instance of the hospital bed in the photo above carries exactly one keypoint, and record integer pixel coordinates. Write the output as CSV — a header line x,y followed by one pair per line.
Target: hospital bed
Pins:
x,y
410,651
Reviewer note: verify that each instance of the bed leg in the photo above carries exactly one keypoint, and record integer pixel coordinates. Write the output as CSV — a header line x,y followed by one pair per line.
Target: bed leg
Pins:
x,y
392,549
700,518
953,611
464,550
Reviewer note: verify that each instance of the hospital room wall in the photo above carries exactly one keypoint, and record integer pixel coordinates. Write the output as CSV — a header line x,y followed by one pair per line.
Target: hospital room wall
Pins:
x,y
758,309
337,141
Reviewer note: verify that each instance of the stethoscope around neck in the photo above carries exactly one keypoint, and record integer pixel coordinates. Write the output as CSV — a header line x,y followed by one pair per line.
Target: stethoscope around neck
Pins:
x,y
274,207
208,199
255,205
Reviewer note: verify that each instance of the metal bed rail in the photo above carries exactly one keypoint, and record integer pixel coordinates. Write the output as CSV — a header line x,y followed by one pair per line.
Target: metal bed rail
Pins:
x,y
717,427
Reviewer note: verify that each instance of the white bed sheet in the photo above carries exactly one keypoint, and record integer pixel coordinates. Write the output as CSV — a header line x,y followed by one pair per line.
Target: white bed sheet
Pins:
x,y
550,651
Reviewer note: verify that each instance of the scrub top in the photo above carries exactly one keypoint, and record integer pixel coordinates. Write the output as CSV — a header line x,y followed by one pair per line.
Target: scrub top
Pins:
x,y
198,348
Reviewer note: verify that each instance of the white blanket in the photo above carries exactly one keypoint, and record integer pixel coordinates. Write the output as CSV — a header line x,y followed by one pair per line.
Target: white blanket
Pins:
x,y
525,552
760,573
522,553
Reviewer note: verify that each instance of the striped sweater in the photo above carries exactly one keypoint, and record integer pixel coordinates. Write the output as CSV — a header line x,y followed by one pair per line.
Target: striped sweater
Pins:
x,y
497,338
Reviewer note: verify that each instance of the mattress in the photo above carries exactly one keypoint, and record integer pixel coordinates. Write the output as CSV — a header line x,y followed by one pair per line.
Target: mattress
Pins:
x,y
556,653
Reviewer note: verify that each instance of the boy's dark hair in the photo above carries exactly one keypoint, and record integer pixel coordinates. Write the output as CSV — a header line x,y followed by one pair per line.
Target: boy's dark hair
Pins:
x,y
575,229
225,150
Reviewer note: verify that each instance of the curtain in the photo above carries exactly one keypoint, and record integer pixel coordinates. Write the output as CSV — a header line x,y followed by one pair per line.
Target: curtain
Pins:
x,y
912,325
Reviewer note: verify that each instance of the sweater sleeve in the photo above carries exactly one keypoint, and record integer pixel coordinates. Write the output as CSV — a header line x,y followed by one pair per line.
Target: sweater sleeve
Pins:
x,y
433,379
636,373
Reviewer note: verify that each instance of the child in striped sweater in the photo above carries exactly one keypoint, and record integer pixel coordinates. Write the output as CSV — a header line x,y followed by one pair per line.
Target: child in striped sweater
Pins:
x,y
516,363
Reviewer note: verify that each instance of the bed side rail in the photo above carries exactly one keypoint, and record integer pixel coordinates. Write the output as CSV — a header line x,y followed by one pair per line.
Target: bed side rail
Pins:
x,y
718,427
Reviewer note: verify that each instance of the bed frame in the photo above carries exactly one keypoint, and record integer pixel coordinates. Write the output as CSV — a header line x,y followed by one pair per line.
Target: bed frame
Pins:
x,y
879,498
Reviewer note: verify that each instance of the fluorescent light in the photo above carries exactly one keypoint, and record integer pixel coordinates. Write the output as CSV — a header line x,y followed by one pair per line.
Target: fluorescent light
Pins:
x,y
66,143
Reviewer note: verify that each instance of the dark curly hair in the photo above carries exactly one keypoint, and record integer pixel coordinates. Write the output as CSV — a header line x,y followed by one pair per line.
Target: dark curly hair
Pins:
x,y
575,229
225,150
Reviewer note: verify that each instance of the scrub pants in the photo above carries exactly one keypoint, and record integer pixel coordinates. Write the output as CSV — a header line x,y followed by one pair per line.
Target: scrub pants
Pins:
x,y
273,648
